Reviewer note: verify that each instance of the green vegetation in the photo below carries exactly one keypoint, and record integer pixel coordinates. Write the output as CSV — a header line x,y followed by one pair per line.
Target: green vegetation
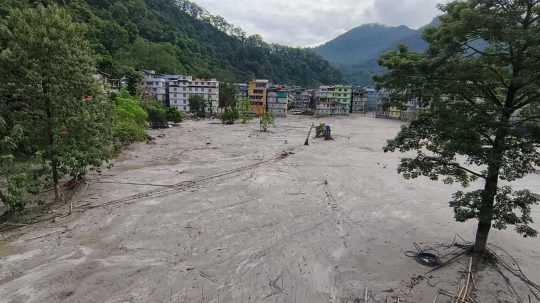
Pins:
x,y
176,36
198,106
157,114
265,121
227,95
482,123
54,119
320,130
245,114
174,115
230,116
357,51
130,120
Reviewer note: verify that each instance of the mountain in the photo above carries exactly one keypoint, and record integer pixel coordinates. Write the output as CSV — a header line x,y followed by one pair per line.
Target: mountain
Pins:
x,y
357,51
177,36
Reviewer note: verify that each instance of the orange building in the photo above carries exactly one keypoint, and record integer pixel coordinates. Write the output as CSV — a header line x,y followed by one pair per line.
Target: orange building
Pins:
x,y
257,92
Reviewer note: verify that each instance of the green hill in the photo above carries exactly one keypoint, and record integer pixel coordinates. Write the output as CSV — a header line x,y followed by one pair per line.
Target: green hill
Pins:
x,y
357,52
177,36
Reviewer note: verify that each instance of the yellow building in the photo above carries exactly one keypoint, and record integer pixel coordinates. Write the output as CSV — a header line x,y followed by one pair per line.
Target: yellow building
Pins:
x,y
257,92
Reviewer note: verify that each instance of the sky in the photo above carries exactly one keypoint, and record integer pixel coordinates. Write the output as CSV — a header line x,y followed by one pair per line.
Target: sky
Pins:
x,y
313,22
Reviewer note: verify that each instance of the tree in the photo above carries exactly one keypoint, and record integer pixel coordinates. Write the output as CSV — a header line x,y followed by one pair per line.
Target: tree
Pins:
x,y
130,120
157,114
198,105
480,79
227,95
174,115
134,79
48,86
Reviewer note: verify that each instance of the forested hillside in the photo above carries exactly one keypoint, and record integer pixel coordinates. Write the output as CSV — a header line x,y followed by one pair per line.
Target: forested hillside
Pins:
x,y
356,52
176,36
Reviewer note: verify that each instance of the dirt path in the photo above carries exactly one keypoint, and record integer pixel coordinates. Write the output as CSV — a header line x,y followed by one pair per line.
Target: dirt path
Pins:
x,y
214,213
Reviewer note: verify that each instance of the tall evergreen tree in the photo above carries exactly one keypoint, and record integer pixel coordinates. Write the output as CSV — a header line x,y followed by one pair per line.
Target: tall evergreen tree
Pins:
x,y
481,80
48,87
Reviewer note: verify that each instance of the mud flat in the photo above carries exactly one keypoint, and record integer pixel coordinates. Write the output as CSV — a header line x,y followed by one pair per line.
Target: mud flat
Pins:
x,y
213,213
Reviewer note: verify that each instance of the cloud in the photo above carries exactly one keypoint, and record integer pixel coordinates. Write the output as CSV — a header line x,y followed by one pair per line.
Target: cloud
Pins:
x,y
414,13
309,23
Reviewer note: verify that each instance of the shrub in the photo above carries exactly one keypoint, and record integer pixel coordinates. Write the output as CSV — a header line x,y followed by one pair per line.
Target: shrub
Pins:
x,y
157,115
266,120
174,115
230,116
130,123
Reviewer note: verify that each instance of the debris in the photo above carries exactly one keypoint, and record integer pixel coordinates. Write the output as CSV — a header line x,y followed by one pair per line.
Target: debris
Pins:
x,y
328,133
284,154
424,257
320,130
366,295
428,259
309,134
161,136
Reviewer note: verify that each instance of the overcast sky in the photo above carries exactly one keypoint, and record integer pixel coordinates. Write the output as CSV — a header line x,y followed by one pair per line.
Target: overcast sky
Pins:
x,y
312,22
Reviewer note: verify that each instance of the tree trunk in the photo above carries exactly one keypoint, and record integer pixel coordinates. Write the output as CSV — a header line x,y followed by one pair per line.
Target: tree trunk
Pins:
x,y
482,233
52,143
485,217
3,198
54,167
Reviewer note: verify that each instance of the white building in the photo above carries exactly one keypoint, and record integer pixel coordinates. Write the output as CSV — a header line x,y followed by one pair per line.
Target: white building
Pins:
x,y
208,89
156,86
176,90
179,93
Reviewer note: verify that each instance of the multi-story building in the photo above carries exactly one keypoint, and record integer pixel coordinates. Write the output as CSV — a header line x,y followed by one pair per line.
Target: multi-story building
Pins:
x,y
304,101
257,93
156,86
207,89
277,101
176,90
359,100
241,91
374,99
333,100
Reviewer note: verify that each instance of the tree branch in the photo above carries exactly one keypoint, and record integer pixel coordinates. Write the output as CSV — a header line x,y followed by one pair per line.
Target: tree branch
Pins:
x,y
532,118
455,165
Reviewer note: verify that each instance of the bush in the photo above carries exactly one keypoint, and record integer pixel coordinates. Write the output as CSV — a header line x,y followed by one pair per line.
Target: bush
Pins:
x,y
266,120
230,116
174,115
157,115
130,123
